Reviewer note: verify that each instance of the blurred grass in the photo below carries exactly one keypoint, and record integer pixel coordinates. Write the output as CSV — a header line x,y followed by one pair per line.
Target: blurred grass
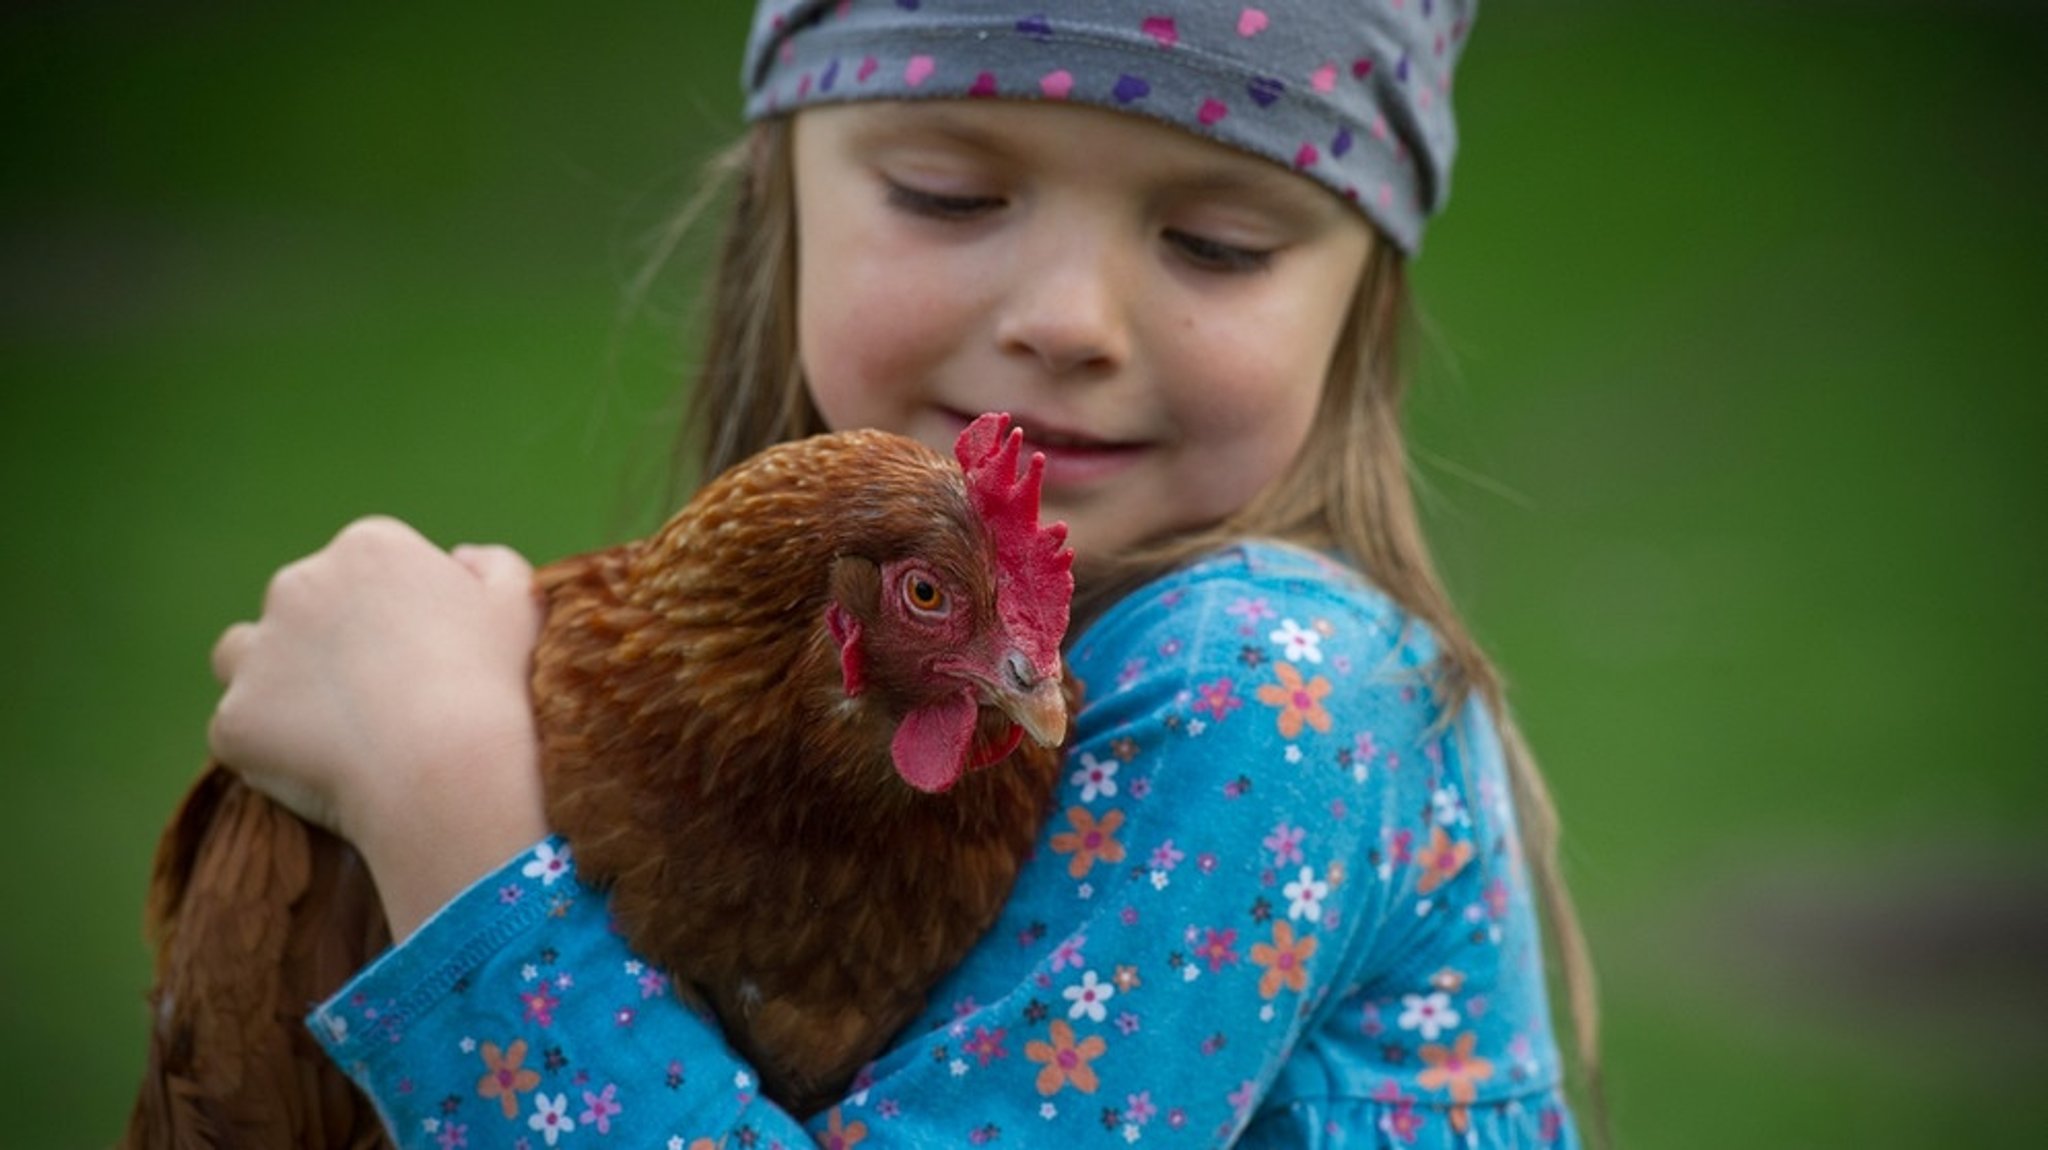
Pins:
x,y
1739,304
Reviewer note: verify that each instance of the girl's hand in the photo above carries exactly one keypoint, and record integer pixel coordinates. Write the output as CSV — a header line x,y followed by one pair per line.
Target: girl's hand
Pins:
x,y
383,694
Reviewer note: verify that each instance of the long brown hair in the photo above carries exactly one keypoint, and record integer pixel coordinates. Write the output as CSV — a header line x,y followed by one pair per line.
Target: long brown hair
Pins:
x,y
1348,490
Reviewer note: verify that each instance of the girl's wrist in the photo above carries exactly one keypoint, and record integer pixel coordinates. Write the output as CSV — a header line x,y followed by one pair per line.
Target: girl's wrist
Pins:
x,y
428,845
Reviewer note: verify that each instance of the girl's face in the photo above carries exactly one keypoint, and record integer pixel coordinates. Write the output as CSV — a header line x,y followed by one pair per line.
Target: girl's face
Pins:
x,y
1157,312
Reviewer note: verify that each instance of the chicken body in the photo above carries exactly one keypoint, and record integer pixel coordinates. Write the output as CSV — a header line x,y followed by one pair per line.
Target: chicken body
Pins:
x,y
764,729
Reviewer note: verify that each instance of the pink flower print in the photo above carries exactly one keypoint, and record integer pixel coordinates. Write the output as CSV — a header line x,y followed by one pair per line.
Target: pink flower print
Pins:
x,y
1497,899
1242,1098
1130,673
1402,1123
600,1109
453,1136
653,983
1370,1025
986,1045
1400,846
1166,856
1251,613
1217,699
1068,952
1139,1109
1285,843
1127,1024
540,1005
624,1016
1218,948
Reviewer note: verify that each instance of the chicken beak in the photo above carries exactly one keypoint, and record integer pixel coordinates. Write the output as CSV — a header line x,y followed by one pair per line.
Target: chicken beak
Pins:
x,y
1033,701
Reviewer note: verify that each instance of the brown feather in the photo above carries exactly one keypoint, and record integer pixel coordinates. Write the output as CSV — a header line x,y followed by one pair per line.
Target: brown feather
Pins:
x,y
702,757
255,917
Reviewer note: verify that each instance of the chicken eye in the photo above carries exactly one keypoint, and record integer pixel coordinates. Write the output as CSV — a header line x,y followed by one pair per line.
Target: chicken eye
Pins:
x,y
923,594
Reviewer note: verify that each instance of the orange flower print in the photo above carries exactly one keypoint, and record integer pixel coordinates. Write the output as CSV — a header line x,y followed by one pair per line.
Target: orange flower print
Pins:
x,y
1299,702
1441,860
840,1136
1066,1061
506,1079
1090,842
1285,960
1457,1070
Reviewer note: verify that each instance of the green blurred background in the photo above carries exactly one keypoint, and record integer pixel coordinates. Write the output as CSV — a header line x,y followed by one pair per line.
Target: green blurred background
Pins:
x,y
1732,412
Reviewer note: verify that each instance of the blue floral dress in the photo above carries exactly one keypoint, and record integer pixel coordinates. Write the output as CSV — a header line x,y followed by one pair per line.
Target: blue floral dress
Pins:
x,y
1278,903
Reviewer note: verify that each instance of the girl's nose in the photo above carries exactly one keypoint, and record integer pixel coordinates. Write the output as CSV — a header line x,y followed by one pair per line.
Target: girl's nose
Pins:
x,y
1068,308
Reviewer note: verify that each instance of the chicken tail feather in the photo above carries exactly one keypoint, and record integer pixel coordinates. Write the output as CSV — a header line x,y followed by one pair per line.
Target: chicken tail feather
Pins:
x,y
255,916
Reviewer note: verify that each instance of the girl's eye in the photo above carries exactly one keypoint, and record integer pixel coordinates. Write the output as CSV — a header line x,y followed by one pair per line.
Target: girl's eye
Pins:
x,y
1215,255
937,206
923,595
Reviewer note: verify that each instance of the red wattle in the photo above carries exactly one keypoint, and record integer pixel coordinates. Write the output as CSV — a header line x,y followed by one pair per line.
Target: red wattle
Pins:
x,y
930,747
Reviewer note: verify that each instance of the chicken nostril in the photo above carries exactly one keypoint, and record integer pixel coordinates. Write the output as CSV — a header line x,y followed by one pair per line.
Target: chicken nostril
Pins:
x,y
1020,672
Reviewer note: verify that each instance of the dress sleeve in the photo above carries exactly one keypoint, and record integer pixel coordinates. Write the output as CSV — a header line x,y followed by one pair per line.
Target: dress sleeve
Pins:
x,y
1276,902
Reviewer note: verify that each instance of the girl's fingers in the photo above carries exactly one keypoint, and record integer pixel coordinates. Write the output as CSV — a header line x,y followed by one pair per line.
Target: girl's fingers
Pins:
x,y
230,649
494,565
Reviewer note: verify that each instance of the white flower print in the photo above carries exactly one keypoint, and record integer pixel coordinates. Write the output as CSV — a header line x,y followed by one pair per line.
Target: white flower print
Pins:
x,y
1305,895
1450,808
1298,644
1429,1014
547,865
1089,997
551,1117
1095,778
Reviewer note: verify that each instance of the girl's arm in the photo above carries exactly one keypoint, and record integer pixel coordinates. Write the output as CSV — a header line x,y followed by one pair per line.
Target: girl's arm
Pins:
x,y
1265,864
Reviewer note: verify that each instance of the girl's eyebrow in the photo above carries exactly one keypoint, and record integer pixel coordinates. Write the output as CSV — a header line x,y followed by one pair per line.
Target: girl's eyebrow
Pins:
x,y
932,119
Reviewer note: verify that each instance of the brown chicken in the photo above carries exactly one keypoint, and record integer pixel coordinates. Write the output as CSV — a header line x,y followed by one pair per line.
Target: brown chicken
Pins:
x,y
765,729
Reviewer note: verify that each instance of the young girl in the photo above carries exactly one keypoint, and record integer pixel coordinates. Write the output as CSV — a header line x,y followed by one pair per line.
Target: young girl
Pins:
x,y
1286,895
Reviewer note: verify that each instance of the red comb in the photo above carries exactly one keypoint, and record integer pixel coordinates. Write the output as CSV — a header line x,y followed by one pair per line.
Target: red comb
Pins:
x,y
1034,566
